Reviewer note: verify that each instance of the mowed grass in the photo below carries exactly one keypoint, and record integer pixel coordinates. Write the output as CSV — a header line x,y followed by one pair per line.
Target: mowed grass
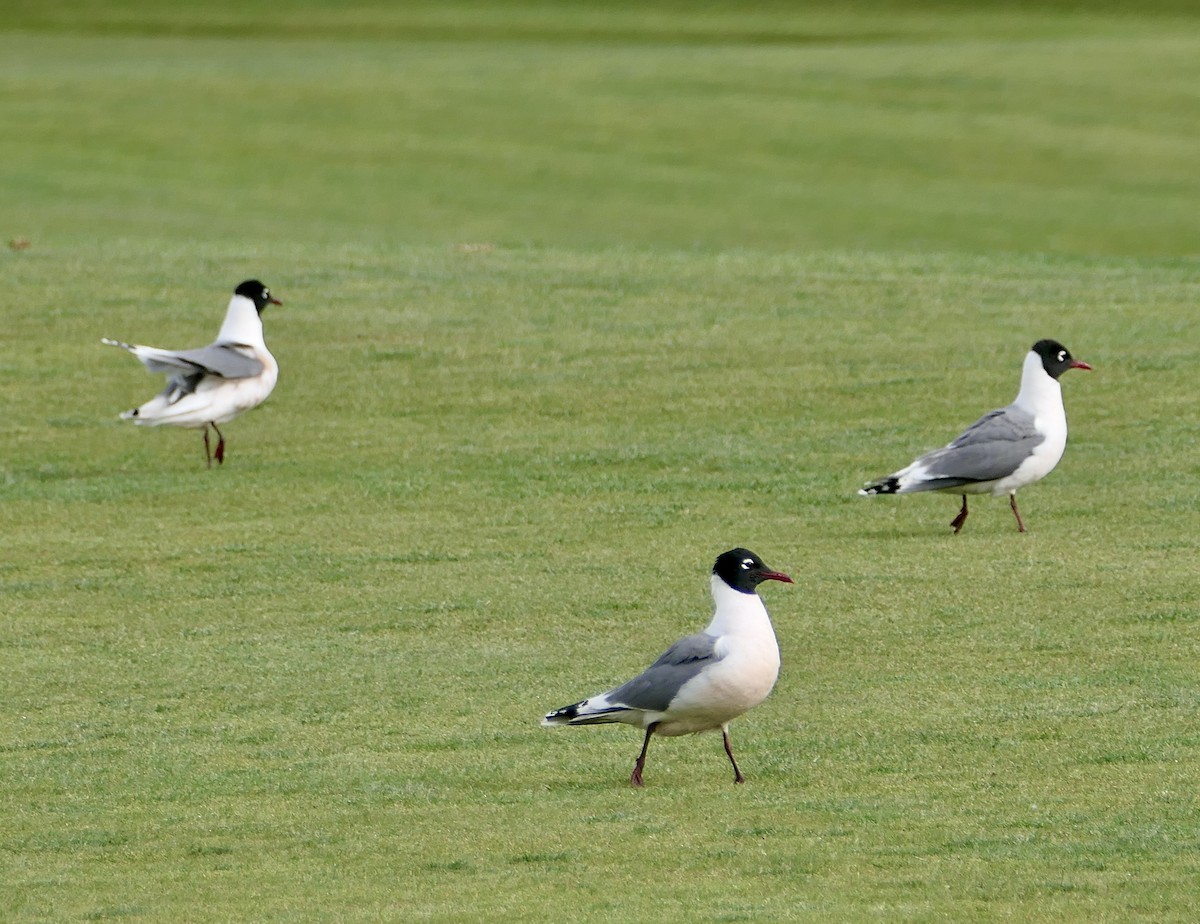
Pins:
x,y
922,128
575,302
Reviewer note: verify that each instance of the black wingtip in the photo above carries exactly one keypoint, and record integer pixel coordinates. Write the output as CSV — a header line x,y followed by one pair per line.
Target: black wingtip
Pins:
x,y
565,714
887,486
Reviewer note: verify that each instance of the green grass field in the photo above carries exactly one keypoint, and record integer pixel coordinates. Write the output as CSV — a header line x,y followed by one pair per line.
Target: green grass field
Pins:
x,y
577,297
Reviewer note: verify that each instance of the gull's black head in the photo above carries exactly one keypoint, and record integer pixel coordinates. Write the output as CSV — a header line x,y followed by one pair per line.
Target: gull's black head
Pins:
x,y
1056,358
742,570
257,293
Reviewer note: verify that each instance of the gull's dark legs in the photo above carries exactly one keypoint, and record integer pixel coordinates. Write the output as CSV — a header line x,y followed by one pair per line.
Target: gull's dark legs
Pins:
x,y
220,453
959,520
207,452
1012,500
737,774
636,778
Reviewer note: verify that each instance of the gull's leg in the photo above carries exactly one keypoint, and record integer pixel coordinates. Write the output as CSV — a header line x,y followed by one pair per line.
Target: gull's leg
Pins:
x,y
220,453
737,774
1012,500
959,520
636,778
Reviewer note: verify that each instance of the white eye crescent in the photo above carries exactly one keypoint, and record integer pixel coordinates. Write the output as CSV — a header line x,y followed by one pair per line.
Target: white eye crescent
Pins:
x,y
1062,355
747,563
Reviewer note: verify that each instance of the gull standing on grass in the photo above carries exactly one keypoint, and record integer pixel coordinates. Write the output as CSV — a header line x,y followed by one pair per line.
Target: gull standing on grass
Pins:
x,y
213,384
1003,450
703,681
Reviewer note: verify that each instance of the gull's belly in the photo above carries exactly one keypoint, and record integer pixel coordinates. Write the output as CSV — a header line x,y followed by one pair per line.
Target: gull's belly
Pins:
x,y
733,685
1040,463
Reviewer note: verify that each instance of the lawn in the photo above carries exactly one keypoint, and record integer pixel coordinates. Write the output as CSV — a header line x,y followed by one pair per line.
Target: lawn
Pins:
x,y
578,296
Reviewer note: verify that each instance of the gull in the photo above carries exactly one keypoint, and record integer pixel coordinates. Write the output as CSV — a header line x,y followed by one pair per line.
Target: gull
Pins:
x,y
213,384
703,681
1004,450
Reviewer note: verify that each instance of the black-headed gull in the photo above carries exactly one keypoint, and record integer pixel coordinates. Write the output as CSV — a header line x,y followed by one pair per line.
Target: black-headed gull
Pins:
x,y
703,681
1003,450
213,384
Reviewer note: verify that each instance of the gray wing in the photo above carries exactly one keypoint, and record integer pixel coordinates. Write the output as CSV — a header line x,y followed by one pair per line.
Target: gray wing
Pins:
x,y
655,687
993,447
180,386
227,360
224,360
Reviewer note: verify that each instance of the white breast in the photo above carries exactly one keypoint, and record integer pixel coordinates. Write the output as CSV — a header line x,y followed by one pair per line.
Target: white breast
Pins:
x,y
743,675
1041,396
1052,422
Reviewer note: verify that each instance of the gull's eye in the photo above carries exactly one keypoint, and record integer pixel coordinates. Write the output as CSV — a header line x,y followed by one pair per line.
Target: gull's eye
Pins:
x,y
747,564
1062,355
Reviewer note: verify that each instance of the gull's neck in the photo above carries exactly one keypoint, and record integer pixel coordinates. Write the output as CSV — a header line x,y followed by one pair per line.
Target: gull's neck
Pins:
x,y
242,323
1039,391
736,613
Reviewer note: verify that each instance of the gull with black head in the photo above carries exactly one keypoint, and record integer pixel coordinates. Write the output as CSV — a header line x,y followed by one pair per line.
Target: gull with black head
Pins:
x,y
1004,450
213,384
703,681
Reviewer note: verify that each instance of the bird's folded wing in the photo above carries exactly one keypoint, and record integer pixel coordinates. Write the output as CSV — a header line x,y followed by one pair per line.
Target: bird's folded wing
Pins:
x,y
993,447
227,360
655,687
